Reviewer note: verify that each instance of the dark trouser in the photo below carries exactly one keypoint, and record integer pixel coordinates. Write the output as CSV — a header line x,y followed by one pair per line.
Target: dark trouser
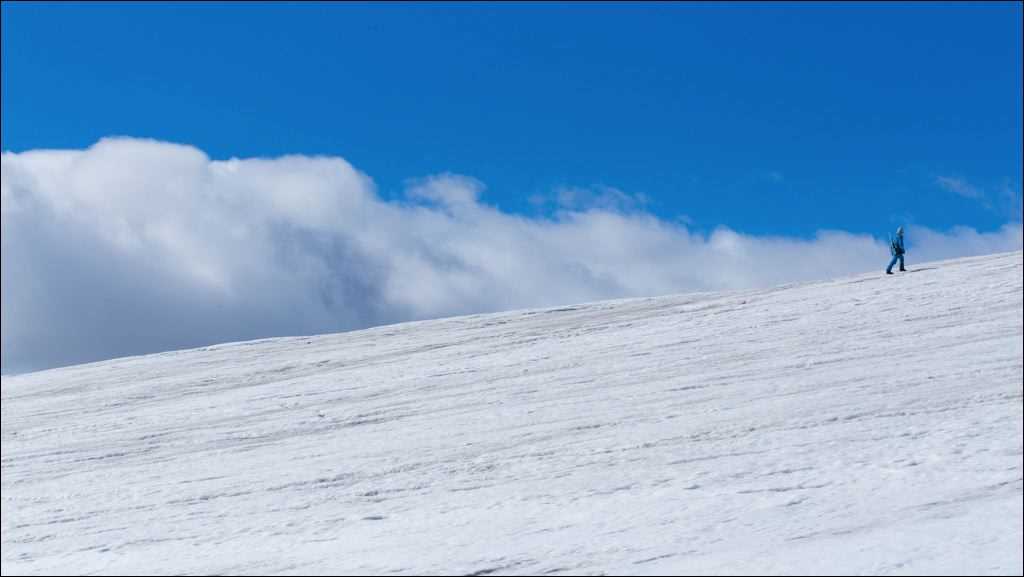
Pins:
x,y
893,261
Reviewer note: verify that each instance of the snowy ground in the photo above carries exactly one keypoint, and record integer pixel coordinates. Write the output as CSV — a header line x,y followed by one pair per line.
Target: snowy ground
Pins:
x,y
864,425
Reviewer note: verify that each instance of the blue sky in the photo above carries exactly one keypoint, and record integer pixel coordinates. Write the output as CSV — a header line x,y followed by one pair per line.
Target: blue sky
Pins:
x,y
770,119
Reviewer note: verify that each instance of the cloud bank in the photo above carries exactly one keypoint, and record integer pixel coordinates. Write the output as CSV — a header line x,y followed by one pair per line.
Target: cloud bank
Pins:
x,y
135,246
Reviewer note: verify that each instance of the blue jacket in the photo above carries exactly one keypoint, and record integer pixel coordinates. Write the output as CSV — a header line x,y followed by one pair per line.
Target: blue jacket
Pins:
x,y
897,245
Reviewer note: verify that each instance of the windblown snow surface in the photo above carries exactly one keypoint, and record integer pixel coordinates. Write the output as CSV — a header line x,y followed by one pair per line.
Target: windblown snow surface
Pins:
x,y
866,425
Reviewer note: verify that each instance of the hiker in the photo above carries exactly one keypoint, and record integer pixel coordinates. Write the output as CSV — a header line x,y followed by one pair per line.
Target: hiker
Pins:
x,y
897,249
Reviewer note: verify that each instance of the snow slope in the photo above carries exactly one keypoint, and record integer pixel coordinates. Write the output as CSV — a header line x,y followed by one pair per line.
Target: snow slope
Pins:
x,y
864,425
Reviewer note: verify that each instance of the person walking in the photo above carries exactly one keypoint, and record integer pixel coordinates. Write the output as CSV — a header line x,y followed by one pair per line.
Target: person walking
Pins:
x,y
897,249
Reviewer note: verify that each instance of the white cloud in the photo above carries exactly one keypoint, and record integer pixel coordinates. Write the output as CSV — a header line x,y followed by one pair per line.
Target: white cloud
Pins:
x,y
571,198
135,246
565,199
959,186
1003,199
1009,200
451,190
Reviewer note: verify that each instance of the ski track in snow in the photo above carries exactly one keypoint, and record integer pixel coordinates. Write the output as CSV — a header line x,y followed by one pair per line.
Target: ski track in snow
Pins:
x,y
863,425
